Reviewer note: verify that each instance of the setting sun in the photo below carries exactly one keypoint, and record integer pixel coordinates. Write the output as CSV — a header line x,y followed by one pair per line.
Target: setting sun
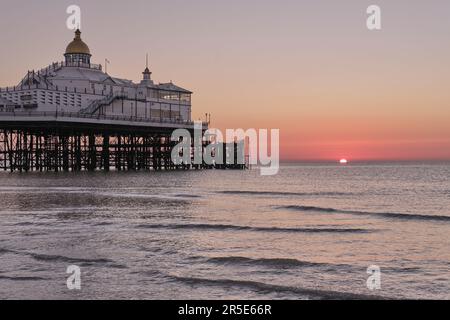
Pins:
x,y
343,161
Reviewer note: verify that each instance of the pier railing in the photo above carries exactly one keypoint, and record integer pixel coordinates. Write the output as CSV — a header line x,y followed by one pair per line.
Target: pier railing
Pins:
x,y
76,115
58,65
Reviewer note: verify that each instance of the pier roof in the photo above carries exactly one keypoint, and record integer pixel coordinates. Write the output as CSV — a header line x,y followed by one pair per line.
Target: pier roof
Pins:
x,y
171,87
80,74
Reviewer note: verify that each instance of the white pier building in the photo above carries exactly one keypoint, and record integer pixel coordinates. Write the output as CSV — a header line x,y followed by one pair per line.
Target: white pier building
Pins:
x,y
77,88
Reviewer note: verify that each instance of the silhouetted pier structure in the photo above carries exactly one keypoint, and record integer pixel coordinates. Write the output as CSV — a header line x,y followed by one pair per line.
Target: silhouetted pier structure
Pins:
x,y
67,142
74,142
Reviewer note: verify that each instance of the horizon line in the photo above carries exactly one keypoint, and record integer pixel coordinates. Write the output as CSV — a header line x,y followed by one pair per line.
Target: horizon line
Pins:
x,y
361,160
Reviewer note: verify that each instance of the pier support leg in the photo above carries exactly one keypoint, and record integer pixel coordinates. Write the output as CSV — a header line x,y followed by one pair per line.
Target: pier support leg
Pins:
x,y
105,152
92,156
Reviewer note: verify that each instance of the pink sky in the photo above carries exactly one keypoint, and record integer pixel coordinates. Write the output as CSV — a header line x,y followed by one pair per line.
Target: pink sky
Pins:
x,y
309,68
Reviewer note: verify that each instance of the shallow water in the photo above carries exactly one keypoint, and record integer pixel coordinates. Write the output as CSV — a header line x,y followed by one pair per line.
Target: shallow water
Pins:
x,y
310,232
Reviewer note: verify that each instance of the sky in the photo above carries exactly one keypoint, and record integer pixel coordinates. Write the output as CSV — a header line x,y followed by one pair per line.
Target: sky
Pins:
x,y
309,68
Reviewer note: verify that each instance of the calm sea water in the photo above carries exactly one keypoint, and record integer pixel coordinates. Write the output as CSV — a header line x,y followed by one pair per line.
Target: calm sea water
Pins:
x,y
308,233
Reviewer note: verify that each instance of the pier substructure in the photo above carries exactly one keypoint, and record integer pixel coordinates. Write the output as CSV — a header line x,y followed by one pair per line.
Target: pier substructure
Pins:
x,y
66,147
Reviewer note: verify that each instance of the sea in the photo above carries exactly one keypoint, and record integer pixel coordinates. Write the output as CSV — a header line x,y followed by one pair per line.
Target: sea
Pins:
x,y
313,231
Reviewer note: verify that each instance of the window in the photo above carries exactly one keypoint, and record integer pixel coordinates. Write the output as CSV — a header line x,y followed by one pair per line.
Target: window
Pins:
x,y
186,97
169,95
77,59
165,114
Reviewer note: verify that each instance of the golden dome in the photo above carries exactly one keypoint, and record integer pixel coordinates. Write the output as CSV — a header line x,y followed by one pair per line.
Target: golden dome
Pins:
x,y
77,46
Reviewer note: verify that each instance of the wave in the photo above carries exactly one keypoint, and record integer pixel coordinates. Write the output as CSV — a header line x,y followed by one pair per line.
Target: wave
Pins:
x,y
270,288
289,263
227,227
391,215
21,278
141,196
104,223
273,262
4,250
57,258
187,196
81,261
64,259
20,224
280,193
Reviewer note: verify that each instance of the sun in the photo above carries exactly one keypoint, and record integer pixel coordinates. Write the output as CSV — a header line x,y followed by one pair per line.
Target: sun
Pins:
x,y
343,161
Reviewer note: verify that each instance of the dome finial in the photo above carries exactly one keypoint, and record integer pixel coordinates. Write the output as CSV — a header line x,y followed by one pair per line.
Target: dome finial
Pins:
x,y
77,46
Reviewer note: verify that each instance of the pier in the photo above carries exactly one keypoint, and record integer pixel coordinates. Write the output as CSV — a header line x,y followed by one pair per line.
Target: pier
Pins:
x,y
73,116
